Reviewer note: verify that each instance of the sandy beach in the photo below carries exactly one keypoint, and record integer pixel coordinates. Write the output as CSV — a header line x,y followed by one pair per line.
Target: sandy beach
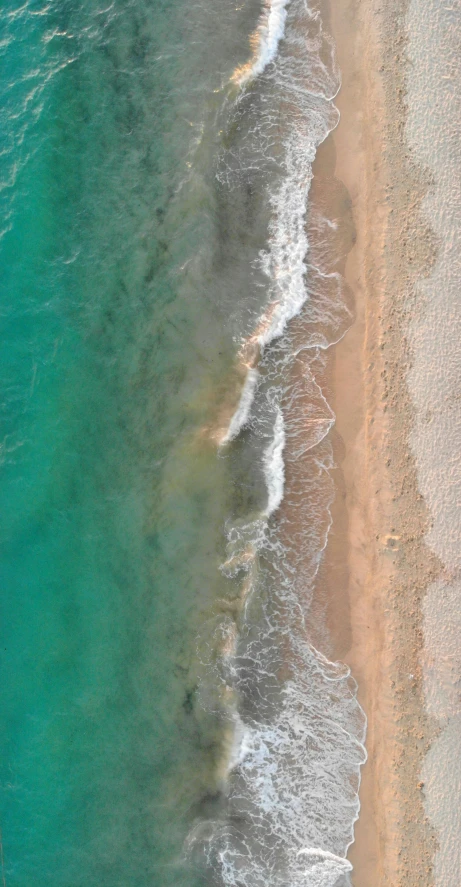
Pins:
x,y
378,548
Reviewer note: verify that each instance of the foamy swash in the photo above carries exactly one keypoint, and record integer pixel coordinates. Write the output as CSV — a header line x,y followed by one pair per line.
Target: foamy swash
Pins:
x,y
293,771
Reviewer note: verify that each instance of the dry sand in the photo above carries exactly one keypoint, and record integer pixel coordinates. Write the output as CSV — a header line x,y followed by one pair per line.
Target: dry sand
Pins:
x,y
376,549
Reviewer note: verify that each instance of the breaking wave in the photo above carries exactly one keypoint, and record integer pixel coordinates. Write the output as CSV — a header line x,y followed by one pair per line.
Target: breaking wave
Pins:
x,y
293,766
265,40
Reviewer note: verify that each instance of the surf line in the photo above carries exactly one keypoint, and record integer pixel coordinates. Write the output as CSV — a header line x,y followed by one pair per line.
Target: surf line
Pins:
x,y
264,41
325,856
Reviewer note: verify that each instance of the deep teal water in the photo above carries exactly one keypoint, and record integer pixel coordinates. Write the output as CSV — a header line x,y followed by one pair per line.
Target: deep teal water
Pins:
x,y
111,517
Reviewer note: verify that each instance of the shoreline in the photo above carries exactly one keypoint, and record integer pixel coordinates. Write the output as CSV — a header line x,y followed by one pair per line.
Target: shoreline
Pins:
x,y
377,565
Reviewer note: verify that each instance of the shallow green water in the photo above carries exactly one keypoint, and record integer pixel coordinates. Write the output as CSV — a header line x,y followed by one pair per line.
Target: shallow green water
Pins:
x,y
111,514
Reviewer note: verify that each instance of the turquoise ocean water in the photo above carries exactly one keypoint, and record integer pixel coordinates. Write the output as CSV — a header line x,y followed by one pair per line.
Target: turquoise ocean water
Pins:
x,y
151,210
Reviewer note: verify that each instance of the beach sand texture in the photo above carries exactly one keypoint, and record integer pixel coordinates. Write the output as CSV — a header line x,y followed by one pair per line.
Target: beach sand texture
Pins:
x,y
395,390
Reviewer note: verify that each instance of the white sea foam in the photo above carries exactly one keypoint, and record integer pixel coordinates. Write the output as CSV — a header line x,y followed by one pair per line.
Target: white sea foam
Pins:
x,y
285,267
294,768
285,260
242,413
293,795
269,32
241,743
274,468
323,866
